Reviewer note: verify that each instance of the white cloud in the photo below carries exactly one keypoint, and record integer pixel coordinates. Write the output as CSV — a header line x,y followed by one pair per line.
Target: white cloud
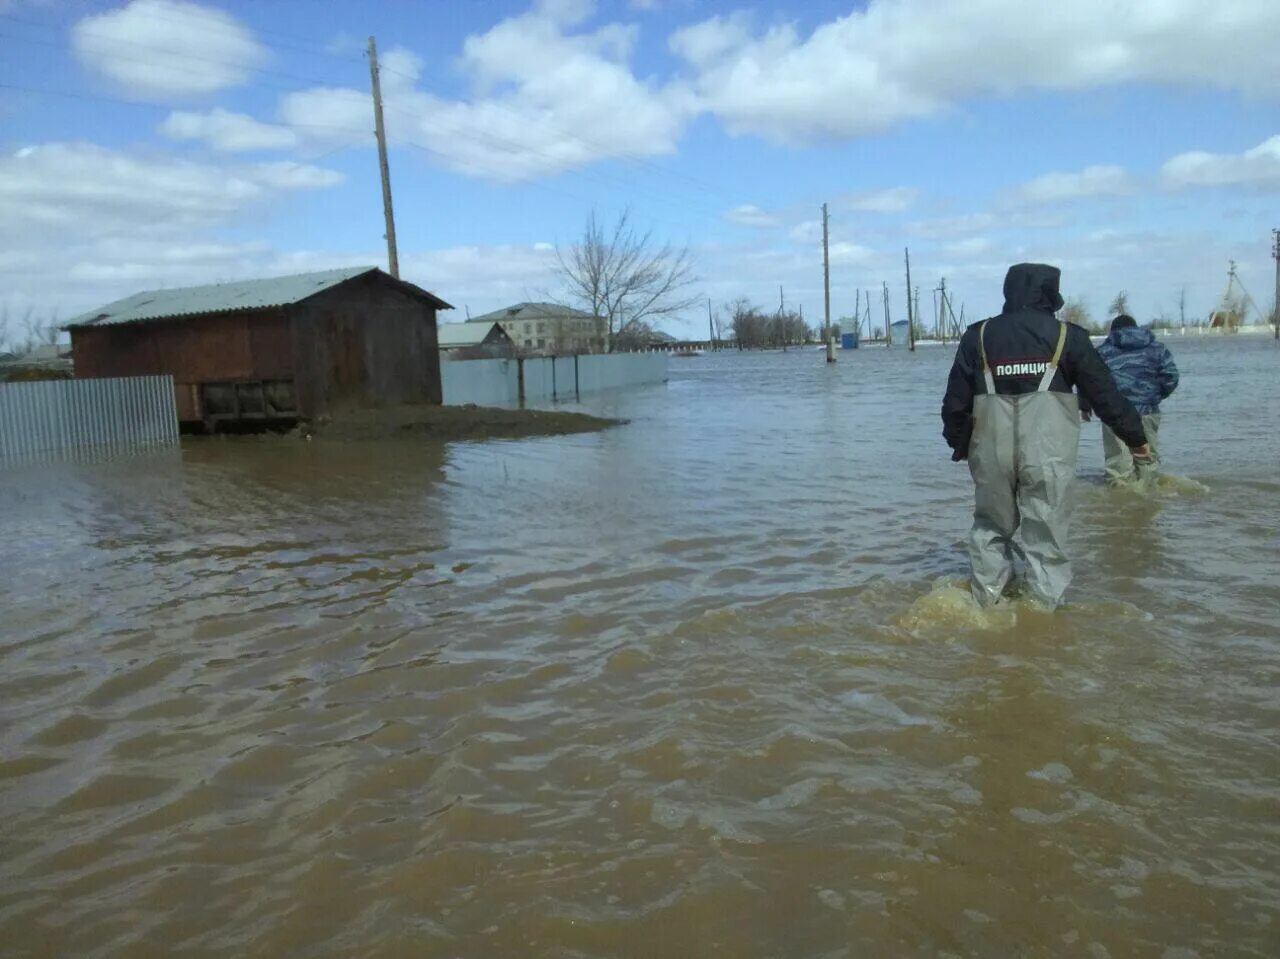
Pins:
x,y
1258,167
892,200
846,254
750,215
902,59
971,246
329,114
807,232
288,175
167,48
59,190
945,227
1091,182
546,100
965,225
228,132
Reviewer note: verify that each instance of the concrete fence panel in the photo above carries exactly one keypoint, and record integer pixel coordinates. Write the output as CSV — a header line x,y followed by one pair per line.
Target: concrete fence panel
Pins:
x,y
499,382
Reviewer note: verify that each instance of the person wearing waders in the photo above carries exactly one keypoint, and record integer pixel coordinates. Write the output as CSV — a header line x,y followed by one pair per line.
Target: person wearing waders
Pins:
x,y
1010,411
1145,373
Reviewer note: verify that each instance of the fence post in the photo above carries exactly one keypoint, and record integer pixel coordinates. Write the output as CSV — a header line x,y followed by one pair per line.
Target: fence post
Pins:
x,y
520,380
577,387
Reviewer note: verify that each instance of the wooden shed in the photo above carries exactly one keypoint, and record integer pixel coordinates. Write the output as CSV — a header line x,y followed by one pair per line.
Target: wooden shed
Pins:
x,y
285,348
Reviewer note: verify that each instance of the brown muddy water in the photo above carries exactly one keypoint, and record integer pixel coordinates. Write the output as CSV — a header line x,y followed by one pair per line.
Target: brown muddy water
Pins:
x,y
694,686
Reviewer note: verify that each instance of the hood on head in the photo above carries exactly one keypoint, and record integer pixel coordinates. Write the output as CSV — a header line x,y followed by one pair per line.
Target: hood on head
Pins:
x,y
1034,286
1131,338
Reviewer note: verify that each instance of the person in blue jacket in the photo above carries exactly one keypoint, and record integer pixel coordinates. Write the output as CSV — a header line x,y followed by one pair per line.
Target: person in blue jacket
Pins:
x,y
1144,371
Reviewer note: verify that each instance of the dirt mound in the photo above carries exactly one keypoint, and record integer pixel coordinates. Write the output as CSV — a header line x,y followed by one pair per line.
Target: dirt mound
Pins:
x,y
452,423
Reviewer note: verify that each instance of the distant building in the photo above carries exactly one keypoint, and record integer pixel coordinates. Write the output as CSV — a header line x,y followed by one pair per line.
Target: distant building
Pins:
x,y
900,332
474,341
282,348
548,328
47,361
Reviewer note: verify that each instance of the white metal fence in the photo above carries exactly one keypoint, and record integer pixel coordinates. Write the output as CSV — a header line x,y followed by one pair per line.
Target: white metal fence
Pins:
x,y
68,419
539,379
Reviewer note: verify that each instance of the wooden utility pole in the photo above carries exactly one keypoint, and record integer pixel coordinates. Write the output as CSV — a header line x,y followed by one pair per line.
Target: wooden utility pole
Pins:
x,y
711,325
942,313
1182,309
911,317
1275,306
826,291
393,262
888,323
857,316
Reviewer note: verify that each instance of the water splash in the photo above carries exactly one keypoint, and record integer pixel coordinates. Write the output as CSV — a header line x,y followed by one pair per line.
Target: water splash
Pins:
x,y
948,607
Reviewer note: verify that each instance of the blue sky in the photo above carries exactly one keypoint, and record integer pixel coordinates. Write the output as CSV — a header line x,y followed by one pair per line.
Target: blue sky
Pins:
x,y
159,143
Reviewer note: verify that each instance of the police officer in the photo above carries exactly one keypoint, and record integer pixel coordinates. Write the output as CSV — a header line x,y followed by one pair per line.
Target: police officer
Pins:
x,y
1010,411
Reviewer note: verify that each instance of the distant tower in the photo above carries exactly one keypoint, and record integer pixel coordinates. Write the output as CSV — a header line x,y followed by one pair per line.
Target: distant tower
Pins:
x,y
1233,307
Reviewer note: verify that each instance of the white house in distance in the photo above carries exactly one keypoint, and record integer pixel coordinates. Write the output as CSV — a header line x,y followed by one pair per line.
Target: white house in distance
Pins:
x,y
548,328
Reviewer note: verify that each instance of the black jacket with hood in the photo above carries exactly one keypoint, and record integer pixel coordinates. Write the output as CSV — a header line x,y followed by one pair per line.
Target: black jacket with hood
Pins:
x,y
1025,334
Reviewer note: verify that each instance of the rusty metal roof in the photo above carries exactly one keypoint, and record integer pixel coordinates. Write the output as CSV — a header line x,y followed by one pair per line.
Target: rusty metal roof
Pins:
x,y
228,297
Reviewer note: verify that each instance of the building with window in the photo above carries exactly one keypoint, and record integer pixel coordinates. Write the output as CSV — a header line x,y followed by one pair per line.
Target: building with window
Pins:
x,y
549,329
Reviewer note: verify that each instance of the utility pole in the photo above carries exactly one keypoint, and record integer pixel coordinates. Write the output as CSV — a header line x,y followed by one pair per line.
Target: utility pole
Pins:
x,y
393,262
857,316
711,325
782,329
1275,306
942,314
1182,309
826,290
888,323
911,317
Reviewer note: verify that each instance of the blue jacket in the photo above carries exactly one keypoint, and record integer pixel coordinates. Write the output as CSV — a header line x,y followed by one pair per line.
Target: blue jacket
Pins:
x,y
1142,367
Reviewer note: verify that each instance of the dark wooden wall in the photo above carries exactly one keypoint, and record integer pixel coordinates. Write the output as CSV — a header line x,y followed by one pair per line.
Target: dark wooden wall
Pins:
x,y
227,347
364,343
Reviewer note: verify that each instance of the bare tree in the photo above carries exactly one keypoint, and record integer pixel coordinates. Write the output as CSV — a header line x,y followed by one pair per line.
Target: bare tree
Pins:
x,y
1120,304
624,278
751,328
25,335
1075,311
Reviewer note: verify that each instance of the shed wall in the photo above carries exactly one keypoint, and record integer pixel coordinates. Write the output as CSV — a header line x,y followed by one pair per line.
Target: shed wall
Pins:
x,y
365,343
230,347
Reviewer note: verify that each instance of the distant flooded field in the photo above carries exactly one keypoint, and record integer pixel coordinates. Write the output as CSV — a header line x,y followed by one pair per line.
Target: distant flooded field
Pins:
x,y
694,686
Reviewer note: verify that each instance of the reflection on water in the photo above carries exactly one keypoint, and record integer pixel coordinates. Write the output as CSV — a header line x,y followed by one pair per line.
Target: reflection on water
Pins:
x,y
702,685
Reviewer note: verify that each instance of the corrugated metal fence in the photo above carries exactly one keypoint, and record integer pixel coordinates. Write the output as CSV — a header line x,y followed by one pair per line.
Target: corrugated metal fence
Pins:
x,y
70,419
542,379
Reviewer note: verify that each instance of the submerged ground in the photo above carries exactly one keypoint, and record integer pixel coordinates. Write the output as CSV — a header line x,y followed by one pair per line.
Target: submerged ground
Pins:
x,y
697,685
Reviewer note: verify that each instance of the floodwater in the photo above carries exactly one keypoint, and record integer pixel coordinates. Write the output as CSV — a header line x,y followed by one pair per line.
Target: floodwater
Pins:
x,y
693,687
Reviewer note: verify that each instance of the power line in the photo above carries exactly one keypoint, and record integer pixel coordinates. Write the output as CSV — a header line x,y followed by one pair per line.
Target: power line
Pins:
x,y
603,151
449,159
313,46
154,50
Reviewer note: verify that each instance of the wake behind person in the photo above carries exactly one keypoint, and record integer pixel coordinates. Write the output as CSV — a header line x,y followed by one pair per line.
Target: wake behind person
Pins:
x,y
1010,411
